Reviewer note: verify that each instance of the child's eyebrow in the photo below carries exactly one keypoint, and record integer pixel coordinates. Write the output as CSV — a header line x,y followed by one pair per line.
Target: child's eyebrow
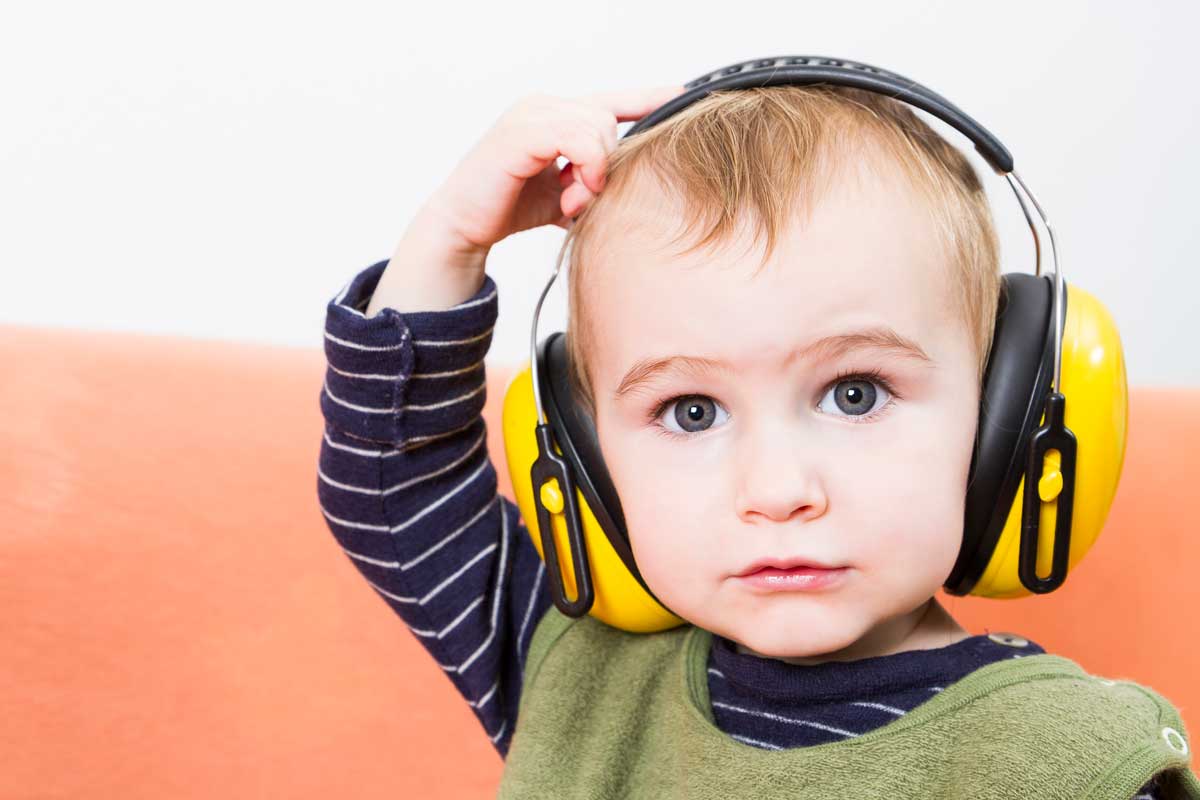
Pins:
x,y
831,347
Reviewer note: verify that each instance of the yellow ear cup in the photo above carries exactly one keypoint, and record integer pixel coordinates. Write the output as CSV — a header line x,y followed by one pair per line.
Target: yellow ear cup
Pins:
x,y
620,600
1097,411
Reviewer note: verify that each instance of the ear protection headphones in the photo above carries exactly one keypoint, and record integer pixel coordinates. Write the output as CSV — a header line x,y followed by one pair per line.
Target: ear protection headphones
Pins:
x,y
1022,529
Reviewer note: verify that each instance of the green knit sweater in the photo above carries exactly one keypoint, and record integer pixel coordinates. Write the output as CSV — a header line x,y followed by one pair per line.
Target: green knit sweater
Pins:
x,y
611,714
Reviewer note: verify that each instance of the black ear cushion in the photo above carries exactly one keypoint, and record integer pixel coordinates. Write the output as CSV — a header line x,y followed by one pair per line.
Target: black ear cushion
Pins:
x,y
575,432
1016,383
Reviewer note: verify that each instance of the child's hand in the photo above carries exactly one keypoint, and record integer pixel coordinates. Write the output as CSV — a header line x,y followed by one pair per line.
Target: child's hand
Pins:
x,y
509,182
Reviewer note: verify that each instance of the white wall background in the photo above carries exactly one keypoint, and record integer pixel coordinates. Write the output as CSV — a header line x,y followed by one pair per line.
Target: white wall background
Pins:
x,y
221,170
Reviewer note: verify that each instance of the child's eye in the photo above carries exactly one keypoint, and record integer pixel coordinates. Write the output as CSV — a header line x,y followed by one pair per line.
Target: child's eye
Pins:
x,y
688,414
856,396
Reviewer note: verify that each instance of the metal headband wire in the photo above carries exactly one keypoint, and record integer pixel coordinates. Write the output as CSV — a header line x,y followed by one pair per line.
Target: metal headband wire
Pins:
x,y
537,311
1059,299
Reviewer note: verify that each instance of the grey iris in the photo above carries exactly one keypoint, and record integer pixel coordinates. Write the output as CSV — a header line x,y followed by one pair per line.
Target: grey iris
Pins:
x,y
694,411
854,397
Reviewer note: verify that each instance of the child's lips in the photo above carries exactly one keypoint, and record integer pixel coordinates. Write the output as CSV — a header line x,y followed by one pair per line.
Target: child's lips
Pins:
x,y
790,563
795,578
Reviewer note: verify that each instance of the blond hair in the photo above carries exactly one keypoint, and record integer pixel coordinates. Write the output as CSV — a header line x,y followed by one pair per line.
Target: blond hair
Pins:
x,y
766,151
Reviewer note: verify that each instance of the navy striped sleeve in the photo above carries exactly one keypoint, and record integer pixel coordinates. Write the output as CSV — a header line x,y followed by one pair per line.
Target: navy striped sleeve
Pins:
x,y
407,489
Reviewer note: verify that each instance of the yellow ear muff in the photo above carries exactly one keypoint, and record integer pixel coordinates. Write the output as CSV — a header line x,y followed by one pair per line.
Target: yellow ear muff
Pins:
x,y
619,600
1097,411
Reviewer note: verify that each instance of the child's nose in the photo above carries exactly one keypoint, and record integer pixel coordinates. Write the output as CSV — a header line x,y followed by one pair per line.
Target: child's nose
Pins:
x,y
779,482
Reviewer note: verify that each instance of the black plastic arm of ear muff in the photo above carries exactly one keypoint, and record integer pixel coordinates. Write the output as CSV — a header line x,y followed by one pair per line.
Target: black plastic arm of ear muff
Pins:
x,y
1053,435
549,465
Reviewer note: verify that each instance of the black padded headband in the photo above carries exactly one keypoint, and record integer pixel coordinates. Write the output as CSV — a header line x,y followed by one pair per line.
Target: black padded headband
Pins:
x,y
801,70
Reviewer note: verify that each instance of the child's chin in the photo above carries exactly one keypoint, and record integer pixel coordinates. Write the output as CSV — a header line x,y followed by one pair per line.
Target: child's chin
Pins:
x,y
790,643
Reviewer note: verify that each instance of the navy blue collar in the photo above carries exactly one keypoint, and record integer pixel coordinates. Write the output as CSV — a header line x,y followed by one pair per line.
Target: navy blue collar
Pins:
x,y
851,680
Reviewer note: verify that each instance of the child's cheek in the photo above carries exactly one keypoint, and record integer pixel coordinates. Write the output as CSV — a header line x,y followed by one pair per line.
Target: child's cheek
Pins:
x,y
670,516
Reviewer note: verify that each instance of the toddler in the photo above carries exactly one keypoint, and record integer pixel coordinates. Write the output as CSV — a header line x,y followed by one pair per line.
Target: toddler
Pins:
x,y
781,309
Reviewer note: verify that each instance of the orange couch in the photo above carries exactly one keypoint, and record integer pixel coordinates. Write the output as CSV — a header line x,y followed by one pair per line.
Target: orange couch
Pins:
x,y
179,622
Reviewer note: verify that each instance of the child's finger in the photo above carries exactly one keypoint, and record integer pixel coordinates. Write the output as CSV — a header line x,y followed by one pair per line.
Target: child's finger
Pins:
x,y
633,104
588,157
537,140
575,198
567,176
572,173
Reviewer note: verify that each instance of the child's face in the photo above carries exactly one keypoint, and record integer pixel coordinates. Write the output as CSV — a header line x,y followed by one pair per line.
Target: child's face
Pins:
x,y
771,463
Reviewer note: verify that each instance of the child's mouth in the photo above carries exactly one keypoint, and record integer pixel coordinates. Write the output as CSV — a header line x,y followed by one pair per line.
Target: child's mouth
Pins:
x,y
794,579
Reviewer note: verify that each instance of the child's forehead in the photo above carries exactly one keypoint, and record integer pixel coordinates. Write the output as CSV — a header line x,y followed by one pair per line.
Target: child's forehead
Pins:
x,y
866,256
863,231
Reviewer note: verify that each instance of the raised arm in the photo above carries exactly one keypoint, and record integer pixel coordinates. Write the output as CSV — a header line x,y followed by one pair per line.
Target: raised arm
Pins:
x,y
405,482
407,489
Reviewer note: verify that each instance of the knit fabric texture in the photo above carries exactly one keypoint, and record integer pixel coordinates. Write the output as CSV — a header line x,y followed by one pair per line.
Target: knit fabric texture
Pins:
x,y
611,714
